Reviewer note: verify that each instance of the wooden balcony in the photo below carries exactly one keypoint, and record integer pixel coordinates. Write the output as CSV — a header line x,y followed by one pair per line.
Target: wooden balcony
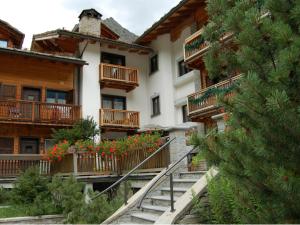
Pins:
x,y
28,112
119,119
119,77
200,110
195,47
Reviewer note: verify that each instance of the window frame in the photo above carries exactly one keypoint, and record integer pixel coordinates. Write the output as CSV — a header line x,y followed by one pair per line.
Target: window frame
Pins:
x,y
154,113
112,56
185,115
185,70
157,64
56,96
113,97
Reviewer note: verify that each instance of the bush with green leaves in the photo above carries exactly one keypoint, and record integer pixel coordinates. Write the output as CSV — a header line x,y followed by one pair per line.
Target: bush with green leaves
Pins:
x,y
84,129
68,196
5,198
32,193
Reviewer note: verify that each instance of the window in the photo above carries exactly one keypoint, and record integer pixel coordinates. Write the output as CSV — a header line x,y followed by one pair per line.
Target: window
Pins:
x,y
3,43
6,145
155,106
7,92
113,59
185,117
49,143
182,68
113,102
59,97
153,64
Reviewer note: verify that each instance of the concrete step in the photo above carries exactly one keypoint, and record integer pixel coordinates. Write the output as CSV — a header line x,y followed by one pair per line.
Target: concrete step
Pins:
x,y
178,191
154,209
144,218
192,174
162,200
184,183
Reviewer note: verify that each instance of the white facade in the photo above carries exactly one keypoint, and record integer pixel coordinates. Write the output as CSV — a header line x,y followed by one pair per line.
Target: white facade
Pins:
x,y
165,83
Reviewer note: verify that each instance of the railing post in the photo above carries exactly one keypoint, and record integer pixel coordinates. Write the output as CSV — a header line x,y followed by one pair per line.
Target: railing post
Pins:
x,y
125,193
171,192
75,164
32,111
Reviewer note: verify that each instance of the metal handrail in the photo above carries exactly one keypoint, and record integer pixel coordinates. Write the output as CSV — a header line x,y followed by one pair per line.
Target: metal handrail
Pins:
x,y
171,180
133,170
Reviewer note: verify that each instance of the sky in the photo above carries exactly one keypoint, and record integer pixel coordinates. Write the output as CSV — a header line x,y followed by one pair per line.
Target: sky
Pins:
x,y
37,16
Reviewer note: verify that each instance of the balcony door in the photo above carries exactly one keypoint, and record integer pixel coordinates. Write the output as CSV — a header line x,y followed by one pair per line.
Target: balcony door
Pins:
x,y
27,108
114,103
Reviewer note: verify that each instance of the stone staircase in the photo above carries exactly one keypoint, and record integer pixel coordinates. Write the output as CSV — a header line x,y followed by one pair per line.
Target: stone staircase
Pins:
x,y
159,200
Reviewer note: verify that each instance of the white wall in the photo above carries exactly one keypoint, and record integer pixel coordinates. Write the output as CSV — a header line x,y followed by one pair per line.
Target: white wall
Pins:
x,y
90,88
167,83
161,82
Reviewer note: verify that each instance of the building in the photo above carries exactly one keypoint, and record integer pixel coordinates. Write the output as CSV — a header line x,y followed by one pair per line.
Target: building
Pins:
x,y
38,92
101,70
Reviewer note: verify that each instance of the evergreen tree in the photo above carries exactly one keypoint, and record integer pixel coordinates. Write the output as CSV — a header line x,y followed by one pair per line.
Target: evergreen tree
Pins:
x,y
260,151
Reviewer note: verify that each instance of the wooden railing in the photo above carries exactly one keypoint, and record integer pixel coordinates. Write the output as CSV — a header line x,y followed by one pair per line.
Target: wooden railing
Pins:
x,y
95,164
37,112
13,165
199,47
81,163
118,73
119,118
211,101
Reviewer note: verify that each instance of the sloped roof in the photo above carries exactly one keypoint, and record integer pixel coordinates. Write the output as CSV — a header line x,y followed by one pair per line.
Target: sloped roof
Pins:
x,y
19,35
125,35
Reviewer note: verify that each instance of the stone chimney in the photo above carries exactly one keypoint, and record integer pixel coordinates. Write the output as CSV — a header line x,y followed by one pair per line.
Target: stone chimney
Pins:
x,y
90,22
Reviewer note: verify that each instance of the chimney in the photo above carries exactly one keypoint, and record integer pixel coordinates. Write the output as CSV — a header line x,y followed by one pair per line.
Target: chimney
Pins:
x,y
90,22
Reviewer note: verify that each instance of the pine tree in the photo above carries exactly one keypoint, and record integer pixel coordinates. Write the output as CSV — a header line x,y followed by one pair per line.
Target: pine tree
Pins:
x,y
260,151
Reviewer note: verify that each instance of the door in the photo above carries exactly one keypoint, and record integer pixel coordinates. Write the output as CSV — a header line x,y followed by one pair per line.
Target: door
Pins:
x,y
29,146
27,109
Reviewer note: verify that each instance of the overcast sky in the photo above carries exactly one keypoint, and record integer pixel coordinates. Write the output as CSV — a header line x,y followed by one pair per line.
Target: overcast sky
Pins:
x,y
37,16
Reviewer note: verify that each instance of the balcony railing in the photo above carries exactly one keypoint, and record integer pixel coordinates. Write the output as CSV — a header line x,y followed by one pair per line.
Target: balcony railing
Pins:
x,y
83,163
195,46
120,77
210,103
119,118
38,113
13,165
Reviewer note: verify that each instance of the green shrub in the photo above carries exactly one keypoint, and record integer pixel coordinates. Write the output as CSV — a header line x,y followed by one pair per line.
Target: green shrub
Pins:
x,y
67,196
28,186
31,193
4,196
84,129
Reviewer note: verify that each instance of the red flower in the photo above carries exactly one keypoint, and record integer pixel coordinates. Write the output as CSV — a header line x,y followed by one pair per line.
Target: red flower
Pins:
x,y
103,154
112,150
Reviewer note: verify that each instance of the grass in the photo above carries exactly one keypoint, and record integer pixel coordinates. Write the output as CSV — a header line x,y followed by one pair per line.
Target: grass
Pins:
x,y
13,211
